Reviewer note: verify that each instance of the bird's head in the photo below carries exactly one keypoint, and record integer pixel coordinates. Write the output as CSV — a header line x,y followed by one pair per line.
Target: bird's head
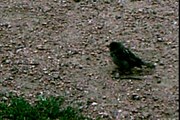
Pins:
x,y
114,45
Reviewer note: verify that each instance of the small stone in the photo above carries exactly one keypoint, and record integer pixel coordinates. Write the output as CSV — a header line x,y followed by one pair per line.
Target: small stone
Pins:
x,y
161,63
104,97
52,82
155,64
10,78
80,67
135,97
46,72
4,98
40,47
118,17
137,89
107,1
140,10
117,75
5,25
79,88
104,114
34,62
6,61
146,115
158,81
94,104
49,57
160,39
46,9
155,98
56,76
134,111
157,76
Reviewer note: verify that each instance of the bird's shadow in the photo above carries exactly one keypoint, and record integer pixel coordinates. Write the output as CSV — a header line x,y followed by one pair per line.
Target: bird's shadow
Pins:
x,y
135,73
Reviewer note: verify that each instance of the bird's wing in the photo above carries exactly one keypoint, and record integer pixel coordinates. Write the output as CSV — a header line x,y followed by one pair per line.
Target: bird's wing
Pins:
x,y
131,57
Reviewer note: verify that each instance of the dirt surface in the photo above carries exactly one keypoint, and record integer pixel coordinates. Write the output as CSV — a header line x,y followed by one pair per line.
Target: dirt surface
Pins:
x,y
59,47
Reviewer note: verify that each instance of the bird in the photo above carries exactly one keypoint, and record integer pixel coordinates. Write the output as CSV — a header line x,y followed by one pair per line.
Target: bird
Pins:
x,y
125,59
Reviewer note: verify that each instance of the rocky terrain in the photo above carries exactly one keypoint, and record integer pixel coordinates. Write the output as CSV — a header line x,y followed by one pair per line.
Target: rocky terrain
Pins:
x,y
59,48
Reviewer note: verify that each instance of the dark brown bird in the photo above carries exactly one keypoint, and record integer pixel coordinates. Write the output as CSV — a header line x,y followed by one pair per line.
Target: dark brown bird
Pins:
x,y
124,58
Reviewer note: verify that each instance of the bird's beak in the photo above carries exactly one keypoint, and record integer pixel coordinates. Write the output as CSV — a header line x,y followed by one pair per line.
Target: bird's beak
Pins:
x,y
107,46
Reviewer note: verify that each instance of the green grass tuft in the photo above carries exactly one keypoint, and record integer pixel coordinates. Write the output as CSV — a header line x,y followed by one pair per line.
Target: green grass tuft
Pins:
x,y
45,109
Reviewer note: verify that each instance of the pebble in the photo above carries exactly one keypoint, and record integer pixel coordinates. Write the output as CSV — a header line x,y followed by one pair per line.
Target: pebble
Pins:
x,y
155,98
80,66
94,103
160,39
56,76
158,81
53,82
4,98
104,97
161,63
135,97
118,17
117,75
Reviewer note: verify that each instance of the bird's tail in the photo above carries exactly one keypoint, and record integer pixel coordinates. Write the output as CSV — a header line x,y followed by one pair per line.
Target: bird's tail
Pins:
x,y
149,65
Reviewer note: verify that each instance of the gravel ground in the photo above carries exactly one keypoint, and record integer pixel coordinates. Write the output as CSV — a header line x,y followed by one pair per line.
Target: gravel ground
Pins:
x,y
59,47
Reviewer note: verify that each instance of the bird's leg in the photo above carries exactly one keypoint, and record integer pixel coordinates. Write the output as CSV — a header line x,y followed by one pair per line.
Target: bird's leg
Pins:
x,y
125,72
